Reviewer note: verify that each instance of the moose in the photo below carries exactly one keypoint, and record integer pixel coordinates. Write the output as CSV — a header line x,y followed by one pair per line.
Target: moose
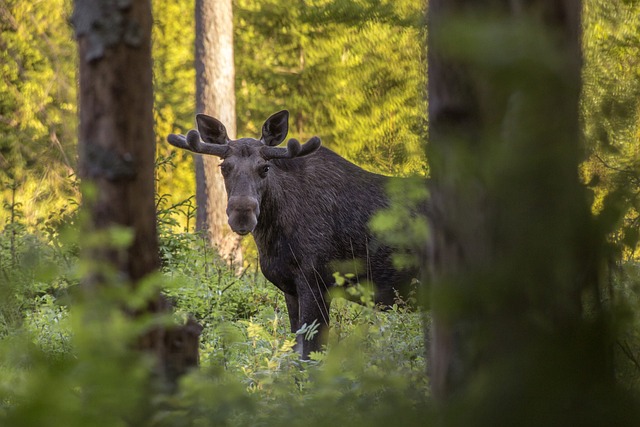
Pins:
x,y
307,208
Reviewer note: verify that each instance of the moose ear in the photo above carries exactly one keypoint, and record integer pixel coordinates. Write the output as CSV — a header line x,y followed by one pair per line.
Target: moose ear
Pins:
x,y
211,130
275,128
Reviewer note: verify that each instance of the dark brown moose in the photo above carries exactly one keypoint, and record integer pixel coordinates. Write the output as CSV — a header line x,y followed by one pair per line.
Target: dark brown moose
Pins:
x,y
307,209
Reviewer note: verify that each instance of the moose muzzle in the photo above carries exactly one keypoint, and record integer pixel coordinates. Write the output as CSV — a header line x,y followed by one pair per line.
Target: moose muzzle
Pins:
x,y
242,214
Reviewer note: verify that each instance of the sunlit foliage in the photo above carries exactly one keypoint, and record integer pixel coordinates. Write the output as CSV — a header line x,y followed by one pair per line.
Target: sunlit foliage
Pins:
x,y
37,107
611,109
174,91
350,72
611,121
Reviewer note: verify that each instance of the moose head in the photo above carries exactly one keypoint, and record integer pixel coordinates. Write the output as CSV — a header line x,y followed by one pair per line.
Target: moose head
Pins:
x,y
247,162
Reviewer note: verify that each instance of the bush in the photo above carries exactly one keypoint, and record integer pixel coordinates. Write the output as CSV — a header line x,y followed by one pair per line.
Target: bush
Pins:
x,y
68,360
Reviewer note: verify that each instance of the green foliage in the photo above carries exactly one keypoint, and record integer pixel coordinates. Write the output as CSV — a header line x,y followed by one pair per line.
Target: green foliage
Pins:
x,y
68,360
611,111
37,106
611,119
625,288
350,72
174,105
403,225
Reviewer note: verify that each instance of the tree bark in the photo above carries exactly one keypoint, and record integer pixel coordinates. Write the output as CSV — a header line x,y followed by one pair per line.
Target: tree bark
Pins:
x,y
116,158
514,250
116,139
215,96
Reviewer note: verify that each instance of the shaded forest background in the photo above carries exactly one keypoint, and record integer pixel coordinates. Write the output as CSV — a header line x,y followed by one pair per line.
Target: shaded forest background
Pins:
x,y
353,73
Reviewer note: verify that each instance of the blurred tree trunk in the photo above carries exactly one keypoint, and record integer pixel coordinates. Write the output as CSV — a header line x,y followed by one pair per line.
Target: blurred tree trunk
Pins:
x,y
116,160
517,259
215,96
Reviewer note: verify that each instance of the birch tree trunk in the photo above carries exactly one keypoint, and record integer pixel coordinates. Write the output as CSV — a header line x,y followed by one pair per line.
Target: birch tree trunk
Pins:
x,y
215,96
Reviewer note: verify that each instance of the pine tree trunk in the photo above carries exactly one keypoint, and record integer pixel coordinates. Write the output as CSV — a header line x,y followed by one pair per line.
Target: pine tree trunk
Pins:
x,y
515,252
116,159
215,96
116,138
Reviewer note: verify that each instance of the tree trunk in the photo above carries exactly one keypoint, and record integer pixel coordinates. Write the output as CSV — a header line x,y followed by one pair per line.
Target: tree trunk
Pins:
x,y
215,96
515,251
116,155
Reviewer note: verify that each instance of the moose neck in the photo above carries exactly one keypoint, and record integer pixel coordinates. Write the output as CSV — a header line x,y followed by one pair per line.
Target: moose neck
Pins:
x,y
283,200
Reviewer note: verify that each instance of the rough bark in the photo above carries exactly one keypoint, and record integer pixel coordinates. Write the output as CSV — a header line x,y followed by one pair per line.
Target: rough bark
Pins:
x,y
215,96
509,246
116,153
116,139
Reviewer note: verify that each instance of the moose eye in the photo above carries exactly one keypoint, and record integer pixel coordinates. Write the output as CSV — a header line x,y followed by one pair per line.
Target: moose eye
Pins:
x,y
264,169
225,169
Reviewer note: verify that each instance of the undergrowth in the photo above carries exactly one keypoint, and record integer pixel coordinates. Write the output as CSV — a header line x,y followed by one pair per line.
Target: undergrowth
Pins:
x,y
67,359
60,352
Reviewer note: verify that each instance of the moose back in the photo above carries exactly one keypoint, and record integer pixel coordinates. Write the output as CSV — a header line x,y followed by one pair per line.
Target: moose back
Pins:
x,y
308,209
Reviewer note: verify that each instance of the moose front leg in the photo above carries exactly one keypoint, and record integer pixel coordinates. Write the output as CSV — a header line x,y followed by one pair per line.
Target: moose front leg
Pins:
x,y
293,309
313,310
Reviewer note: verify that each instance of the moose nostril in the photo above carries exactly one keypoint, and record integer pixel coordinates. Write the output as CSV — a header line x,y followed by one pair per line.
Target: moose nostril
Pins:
x,y
241,218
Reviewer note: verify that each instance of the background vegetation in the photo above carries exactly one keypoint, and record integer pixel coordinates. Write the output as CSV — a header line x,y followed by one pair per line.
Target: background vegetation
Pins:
x,y
352,73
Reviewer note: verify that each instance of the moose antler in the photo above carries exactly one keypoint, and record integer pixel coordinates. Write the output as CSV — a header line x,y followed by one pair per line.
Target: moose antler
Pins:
x,y
193,142
294,149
